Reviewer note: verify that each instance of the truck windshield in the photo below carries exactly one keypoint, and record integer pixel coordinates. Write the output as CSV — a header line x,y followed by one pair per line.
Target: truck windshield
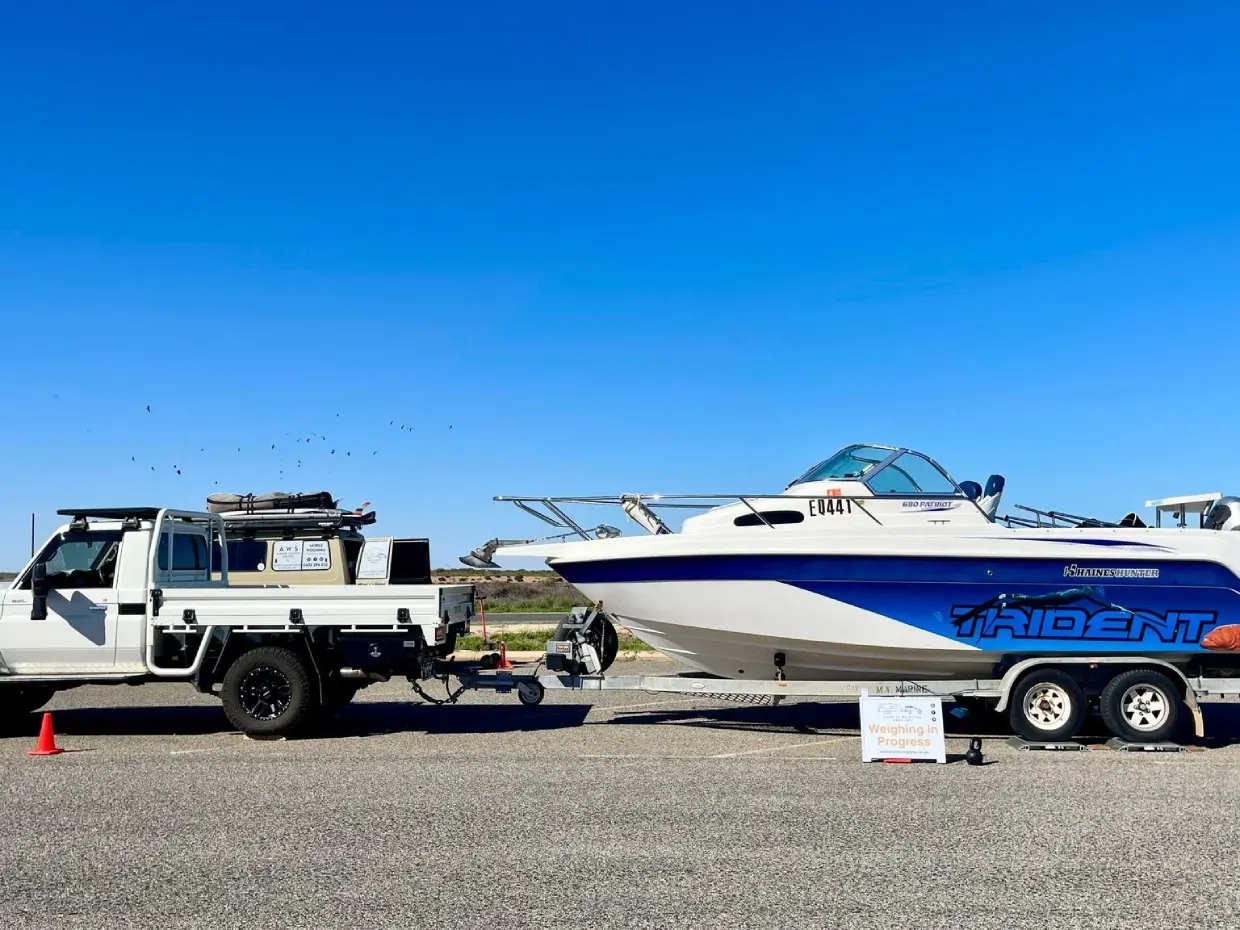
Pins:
x,y
80,560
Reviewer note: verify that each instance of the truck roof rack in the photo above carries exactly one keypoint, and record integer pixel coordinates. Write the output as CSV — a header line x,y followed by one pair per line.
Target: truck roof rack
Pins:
x,y
110,513
321,520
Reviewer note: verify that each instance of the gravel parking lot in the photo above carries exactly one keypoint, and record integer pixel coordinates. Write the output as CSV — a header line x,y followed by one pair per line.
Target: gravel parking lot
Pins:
x,y
604,810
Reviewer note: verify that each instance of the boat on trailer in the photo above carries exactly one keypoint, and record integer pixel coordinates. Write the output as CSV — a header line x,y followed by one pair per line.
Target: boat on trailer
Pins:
x,y
877,564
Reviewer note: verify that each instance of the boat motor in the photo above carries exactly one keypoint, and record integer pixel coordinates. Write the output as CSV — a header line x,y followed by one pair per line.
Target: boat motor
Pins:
x,y
989,501
1224,515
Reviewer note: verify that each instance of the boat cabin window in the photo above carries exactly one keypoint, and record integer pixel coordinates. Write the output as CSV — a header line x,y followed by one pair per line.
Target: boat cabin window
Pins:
x,y
849,464
911,473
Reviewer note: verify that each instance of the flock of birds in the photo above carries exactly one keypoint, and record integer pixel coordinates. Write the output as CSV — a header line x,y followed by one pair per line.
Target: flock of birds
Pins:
x,y
317,442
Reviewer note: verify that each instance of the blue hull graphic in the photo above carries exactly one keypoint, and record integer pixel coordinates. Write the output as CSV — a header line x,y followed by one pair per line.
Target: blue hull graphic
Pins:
x,y
999,605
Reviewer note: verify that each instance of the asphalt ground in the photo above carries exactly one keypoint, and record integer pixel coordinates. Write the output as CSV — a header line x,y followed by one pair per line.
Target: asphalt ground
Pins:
x,y
614,809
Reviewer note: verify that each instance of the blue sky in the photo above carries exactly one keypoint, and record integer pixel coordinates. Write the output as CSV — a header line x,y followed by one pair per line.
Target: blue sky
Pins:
x,y
639,246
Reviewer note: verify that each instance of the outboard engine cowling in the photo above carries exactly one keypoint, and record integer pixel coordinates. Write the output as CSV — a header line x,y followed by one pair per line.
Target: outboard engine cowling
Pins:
x,y
989,501
1224,515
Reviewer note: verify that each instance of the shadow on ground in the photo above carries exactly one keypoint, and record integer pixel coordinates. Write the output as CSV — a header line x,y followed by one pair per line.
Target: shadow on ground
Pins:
x,y
1222,722
371,718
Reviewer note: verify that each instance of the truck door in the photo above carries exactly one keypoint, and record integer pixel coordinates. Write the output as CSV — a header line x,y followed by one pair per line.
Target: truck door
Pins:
x,y
79,632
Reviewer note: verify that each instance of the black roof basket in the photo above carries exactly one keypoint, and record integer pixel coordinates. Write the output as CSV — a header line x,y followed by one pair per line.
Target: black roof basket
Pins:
x,y
274,521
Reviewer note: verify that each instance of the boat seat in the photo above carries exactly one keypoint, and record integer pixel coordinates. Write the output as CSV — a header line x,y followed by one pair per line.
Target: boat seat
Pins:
x,y
972,490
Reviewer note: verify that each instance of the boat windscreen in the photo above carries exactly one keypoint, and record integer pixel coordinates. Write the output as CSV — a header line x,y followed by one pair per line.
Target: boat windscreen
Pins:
x,y
911,473
849,464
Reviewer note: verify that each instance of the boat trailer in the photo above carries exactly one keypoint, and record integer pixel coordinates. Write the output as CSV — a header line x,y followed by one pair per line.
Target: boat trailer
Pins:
x,y
572,663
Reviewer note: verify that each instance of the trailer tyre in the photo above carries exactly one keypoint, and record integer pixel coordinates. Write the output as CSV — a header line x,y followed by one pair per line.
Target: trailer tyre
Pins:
x,y
1047,706
1141,706
268,691
530,693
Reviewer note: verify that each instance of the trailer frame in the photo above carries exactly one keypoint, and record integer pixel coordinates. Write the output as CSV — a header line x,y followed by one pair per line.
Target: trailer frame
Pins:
x,y
531,686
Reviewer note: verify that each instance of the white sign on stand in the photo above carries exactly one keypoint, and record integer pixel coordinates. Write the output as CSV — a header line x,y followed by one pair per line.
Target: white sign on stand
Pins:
x,y
902,728
375,560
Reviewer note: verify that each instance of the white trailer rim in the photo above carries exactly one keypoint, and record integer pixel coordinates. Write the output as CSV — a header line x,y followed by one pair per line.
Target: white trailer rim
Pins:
x,y
1144,707
1048,706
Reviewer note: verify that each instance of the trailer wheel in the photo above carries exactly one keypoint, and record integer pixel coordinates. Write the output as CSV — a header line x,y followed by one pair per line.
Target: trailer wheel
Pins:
x,y
268,691
530,693
1141,706
1047,705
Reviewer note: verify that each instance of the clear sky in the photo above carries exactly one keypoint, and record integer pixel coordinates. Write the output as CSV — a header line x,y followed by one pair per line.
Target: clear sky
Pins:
x,y
603,247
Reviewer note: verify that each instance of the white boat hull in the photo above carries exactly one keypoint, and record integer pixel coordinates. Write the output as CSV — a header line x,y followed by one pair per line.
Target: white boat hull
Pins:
x,y
734,630
961,607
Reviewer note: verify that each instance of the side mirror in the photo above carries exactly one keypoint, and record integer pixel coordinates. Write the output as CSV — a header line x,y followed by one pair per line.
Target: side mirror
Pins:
x,y
38,579
38,588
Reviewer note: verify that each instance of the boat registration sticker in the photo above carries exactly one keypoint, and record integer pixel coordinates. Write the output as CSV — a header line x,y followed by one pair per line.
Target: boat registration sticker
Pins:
x,y
827,506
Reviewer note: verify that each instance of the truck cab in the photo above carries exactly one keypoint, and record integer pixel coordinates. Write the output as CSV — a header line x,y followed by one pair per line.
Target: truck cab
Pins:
x,y
81,603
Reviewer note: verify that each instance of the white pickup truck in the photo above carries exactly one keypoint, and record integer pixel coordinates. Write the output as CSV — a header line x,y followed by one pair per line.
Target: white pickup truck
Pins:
x,y
125,595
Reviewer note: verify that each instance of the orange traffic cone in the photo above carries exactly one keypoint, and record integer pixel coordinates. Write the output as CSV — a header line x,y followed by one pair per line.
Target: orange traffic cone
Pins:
x,y
503,656
47,740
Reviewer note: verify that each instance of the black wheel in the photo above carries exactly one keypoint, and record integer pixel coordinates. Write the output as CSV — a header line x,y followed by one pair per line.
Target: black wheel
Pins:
x,y
1141,706
268,691
1047,706
531,693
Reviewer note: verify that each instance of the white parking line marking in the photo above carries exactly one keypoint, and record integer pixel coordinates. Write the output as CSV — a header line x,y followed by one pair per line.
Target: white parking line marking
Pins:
x,y
684,700
814,742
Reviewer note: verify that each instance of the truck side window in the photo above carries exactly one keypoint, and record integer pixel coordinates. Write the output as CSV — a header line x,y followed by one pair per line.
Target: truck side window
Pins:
x,y
189,553
80,560
244,555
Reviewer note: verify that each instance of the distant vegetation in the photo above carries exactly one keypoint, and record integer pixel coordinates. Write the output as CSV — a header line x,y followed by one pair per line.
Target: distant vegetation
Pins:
x,y
547,595
493,573
517,591
536,641
7,576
